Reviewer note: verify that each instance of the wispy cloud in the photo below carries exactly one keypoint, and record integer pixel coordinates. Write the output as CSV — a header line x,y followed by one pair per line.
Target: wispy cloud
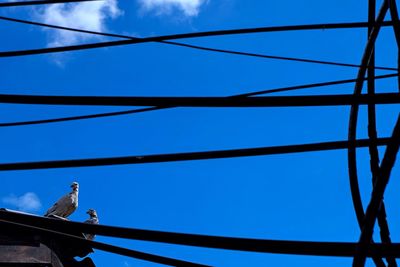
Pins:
x,y
189,8
83,15
27,202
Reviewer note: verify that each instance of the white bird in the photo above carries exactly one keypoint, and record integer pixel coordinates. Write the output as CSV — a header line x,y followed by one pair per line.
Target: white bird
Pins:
x,y
92,220
66,205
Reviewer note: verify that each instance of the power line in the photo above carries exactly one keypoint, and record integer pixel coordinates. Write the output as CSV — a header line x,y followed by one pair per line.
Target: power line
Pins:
x,y
349,25
134,111
372,135
261,101
378,191
340,249
83,117
216,154
352,132
191,46
41,2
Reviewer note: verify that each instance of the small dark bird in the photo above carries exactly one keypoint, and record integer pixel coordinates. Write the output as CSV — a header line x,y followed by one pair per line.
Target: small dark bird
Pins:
x,y
92,220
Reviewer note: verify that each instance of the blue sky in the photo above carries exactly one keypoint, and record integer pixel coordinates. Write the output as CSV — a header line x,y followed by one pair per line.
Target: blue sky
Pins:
x,y
290,197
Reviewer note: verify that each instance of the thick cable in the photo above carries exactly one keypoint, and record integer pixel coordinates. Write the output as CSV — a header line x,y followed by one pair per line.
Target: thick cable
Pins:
x,y
191,46
351,154
158,158
41,2
205,102
103,246
372,135
371,122
350,25
134,111
378,191
396,28
331,249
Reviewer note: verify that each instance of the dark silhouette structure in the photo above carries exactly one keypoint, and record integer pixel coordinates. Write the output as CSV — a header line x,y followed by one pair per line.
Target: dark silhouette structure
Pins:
x,y
24,247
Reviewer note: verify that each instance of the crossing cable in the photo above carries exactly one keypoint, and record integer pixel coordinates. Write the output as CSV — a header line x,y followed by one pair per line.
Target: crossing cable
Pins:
x,y
189,45
378,191
331,249
376,206
202,102
103,246
396,28
134,111
372,135
40,2
349,25
351,152
216,154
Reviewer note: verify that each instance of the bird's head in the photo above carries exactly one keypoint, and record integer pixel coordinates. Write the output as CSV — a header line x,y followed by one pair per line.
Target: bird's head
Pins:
x,y
75,186
92,212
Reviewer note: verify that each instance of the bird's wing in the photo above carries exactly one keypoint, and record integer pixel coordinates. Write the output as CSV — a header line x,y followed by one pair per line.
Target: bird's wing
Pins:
x,y
91,220
51,209
60,204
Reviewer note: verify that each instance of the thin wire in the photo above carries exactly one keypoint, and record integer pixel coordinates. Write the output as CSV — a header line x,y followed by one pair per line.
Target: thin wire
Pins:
x,y
350,25
190,46
103,246
339,249
134,111
41,2
158,158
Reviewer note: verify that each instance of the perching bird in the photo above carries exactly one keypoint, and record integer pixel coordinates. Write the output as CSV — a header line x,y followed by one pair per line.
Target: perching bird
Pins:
x,y
93,220
66,205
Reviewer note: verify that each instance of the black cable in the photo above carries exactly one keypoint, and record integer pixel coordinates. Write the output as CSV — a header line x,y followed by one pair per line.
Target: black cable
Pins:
x,y
191,46
373,148
338,249
40,2
158,158
103,246
349,25
378,191
396,28
352,133
134,111
260,101
83,117
376,206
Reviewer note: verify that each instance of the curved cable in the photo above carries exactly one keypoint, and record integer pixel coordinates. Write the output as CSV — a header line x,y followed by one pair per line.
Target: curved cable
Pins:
x,y
191,46
158,158
134,111
396,28
351,154
372,135
349,25
378,191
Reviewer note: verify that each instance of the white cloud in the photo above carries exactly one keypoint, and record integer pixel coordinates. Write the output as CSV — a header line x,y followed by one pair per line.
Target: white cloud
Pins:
x,y
188,7
27,202
83,15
